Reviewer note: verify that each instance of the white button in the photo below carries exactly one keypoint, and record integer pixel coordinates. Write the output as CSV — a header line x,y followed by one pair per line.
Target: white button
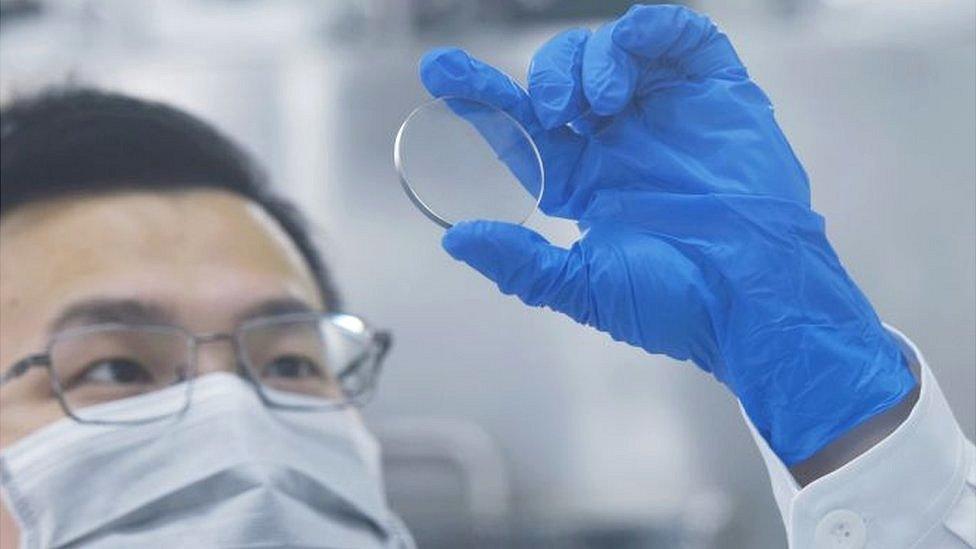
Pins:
x,y
840,529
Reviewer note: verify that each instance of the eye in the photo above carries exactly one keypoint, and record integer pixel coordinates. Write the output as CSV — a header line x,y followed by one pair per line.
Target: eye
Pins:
x,y
117,370
292,366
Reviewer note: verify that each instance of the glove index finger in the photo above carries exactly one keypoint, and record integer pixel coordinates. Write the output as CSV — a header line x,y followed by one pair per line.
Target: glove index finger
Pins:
x,y
609,73
555,83
453,72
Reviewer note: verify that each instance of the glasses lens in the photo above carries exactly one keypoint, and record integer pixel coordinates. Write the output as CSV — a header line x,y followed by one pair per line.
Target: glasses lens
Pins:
x,y
460,159
306,356
113,364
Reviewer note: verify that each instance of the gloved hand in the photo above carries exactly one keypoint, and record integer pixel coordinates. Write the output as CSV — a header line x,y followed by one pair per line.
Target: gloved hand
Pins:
x,y
698,240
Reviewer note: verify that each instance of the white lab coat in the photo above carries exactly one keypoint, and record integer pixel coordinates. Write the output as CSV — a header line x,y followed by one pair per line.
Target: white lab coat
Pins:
x,y
916,488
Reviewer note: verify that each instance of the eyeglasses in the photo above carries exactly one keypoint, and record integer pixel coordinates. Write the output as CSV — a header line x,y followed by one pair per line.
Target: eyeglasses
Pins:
x,y
302,361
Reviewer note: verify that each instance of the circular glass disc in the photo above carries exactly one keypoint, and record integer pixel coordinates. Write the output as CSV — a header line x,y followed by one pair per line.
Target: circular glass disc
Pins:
x,y
460,159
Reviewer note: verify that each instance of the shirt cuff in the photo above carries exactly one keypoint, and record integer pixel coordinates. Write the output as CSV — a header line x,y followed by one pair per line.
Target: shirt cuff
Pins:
x,y
889,496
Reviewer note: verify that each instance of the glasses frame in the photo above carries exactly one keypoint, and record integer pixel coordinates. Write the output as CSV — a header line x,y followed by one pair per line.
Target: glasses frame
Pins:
x,y
377,344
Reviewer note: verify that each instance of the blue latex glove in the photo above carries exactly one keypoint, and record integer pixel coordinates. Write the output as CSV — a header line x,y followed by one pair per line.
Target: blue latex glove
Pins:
x,y
698,238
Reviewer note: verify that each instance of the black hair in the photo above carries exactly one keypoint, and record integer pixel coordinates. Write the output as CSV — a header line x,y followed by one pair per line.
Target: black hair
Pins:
x,y
71,141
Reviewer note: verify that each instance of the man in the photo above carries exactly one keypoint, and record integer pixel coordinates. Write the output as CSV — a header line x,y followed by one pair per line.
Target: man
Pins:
x,y
141,256
130,229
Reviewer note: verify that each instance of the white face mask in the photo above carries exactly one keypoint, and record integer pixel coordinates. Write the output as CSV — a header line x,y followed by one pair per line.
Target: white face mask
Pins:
x,y
230,472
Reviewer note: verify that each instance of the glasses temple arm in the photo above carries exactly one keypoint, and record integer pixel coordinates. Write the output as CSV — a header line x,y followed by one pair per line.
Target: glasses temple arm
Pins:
x,y
382,340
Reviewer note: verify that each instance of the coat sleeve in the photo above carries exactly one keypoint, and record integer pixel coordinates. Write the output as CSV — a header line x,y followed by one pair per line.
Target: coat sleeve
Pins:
x,y
915,488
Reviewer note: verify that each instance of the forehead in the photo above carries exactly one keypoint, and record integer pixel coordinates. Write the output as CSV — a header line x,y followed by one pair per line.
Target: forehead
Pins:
x,y
149,224
198,250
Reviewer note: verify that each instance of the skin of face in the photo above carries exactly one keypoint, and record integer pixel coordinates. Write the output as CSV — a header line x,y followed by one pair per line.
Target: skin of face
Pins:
x,y
203,256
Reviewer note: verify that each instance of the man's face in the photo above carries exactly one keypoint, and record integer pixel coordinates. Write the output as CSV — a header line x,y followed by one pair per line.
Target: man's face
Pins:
x,y
201,259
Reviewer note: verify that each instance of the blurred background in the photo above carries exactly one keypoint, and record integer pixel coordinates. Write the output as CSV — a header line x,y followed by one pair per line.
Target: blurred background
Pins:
x,y
506,426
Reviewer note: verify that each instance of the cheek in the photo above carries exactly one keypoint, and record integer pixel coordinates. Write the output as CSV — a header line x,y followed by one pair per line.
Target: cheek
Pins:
x,y
27,406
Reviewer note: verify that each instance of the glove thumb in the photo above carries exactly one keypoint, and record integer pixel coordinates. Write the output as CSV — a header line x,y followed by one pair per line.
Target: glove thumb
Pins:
x,y
523,263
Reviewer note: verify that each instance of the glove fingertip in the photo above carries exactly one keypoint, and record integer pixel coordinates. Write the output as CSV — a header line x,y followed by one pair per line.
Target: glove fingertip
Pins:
x,y
434,54
608,97
650,30
456,239
554,82
441,66
467,239
626,32
609,74
485,244
553,107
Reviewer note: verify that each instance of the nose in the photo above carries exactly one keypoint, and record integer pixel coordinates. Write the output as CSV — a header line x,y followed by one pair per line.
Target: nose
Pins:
x,y
215,353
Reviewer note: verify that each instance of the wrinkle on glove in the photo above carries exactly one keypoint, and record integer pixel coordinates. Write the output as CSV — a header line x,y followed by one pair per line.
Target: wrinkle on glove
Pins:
x,y
699,241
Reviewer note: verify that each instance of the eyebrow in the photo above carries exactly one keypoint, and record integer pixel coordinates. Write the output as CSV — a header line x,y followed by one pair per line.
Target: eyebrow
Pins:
x,y
276,306
109,310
